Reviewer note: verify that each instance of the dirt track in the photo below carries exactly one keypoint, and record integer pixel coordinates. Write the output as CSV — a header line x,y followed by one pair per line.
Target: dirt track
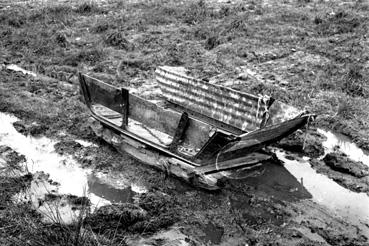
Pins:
x,y
307,53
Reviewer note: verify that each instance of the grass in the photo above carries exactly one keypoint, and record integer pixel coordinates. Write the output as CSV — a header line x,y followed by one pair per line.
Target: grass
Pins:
x,y
21,223
316,47
311,54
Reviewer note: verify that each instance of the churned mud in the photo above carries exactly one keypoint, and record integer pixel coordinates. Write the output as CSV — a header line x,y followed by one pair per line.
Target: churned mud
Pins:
x,y
281,201
60,183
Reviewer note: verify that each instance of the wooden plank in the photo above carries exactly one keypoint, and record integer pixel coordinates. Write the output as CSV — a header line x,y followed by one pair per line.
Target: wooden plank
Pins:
x,y
238,109
218,141
179,134
248,160
253,141
162,119
125,107
216,123
104,94
84,90
162,162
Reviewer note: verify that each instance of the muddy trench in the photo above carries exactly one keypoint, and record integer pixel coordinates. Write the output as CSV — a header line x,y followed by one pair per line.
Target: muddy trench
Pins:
x,y
62,189
60,184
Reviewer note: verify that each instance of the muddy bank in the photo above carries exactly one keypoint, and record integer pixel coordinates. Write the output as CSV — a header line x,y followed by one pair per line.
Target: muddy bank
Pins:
x,y
324,149
260,204
358,134
312,64
153,212
340,162
304,143
33,129
56,112
344,171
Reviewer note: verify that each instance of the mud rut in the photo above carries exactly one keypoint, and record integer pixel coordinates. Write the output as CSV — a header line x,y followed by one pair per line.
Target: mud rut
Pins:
x,y
272,196
275,203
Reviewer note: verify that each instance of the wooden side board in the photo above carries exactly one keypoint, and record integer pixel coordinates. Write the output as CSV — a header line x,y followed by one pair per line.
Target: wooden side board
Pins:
x,y
235,108
162,119
255,140
153,158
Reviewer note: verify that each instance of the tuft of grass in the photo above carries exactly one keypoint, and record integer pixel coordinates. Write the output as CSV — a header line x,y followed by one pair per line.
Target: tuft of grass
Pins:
x,y
354,82
89,8
116,39
337,23
102,27
90,56
195,12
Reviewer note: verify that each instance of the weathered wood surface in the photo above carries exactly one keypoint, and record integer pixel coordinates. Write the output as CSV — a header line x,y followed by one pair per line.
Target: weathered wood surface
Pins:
x,y
241,110
256,140
125,107
180,132
148,113
216,143
164,163
246,161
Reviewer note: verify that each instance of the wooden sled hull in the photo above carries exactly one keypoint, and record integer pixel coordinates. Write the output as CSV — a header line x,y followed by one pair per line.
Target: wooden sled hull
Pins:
x,y
205,177
258,139
191,148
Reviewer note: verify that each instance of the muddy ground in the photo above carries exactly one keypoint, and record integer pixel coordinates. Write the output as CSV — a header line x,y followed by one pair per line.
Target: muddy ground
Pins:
x,y
311,54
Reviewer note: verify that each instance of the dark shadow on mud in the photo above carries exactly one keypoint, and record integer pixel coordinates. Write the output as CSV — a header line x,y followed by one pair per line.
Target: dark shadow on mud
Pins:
x,y
114,195
272,179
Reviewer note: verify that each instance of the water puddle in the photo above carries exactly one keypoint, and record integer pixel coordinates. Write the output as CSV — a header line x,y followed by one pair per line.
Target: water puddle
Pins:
x,y
345,145
172,236
17,68
108,192
55,208
85,143
65,174
272,179
345,203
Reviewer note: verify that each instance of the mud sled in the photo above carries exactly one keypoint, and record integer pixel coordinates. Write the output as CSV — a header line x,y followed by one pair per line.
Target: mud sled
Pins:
x,y
194,130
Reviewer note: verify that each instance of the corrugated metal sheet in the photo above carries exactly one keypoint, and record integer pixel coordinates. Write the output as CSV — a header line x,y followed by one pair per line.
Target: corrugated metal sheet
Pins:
x,y
241,110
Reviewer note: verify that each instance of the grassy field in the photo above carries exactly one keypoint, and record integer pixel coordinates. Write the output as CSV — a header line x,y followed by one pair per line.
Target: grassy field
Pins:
x,y
311,54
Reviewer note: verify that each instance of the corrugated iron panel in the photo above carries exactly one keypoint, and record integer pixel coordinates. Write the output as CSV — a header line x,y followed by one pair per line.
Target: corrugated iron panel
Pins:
x,y
241,110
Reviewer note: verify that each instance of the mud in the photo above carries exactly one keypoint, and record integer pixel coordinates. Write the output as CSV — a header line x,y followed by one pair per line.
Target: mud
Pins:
x,y
67,147
263,200
333,196
338,142
340,162
341,175
33,129
296,51
309,144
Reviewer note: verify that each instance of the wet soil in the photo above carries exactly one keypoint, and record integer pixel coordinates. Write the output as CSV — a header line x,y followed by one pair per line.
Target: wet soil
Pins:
x,y
266,200
306,53
340,162
308,143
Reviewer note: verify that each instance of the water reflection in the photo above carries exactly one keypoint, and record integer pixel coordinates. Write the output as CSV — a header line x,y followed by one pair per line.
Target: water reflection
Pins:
x,y
108,192
345,145
273,179
71,178
325,191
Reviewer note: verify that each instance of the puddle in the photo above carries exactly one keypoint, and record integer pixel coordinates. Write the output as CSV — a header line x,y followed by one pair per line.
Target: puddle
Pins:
x,y
108,192
272,179
345,203
43,195
345,145
171,237
17,68
70,177
85,143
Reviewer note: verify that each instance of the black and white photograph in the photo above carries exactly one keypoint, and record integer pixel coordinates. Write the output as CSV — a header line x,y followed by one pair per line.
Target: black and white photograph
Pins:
x,y
184,122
